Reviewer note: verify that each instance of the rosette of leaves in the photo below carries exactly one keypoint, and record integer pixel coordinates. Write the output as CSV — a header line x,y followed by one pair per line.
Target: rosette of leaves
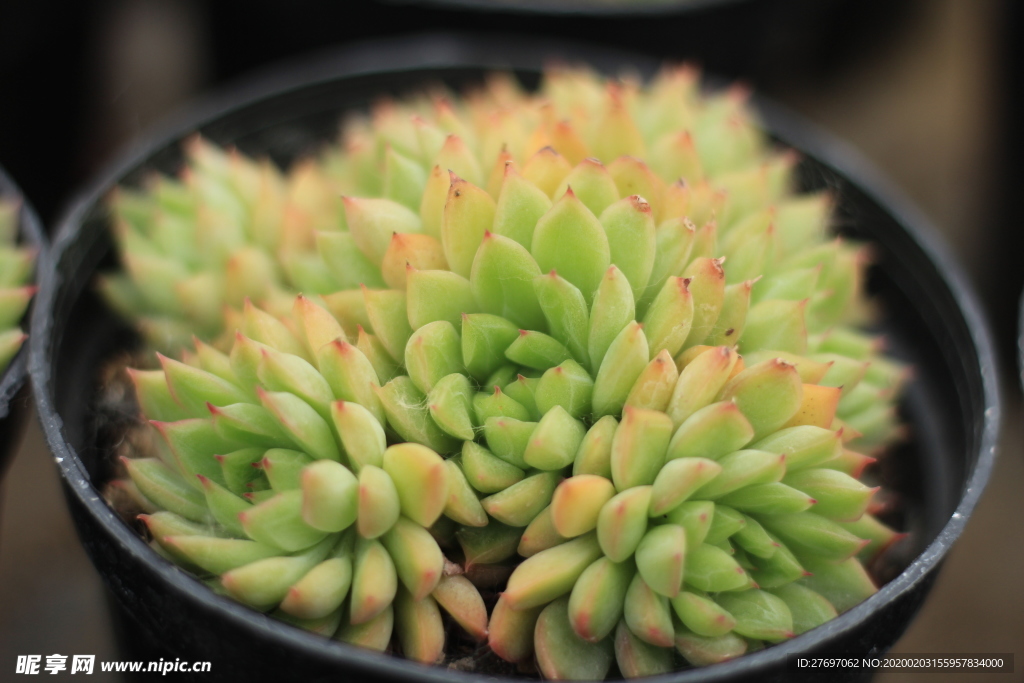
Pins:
x,y
659,417
195,247
276,482
16,265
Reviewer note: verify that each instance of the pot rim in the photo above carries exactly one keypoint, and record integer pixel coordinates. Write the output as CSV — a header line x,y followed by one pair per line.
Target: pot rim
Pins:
x,y
1020,342
579,8
31,231
435,51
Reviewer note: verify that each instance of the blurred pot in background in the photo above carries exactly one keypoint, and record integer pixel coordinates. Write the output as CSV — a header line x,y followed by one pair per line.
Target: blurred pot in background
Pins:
x,y
22,253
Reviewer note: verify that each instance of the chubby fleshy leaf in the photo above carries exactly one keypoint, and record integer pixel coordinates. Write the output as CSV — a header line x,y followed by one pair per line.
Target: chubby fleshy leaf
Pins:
x,y
661,557
839,496
486,472
812,534
361,434
768,394
330,496
433,352
613,308
386,310
537,350
379,505
712,570
678,480
669,317
637,658
639,447
450,402
769,499
306,428
372,634
374,581
695,517
594,456
434,295
776,324
571,241
592,184
566,313
700,382
564,655
622,522
702,615
596,601
704,651
758,614
351,376
488,544
421,479
279,522
468,214
647,613
488,405
409,415
167,488
463,506
807,608
218,555
372,222
417,557
707,288
502,281
653,388
520,206
510,631
566,385
266,582
625,360
540,534
410,251
508,438
711,432
553,444
322,590
577,502
550,573
484,340
521,502
460,598
420,628
629,227
844,584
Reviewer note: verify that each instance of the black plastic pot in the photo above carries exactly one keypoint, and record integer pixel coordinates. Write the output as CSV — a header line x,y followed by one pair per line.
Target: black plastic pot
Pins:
x,y
14,403
764,41
1020,340
932,319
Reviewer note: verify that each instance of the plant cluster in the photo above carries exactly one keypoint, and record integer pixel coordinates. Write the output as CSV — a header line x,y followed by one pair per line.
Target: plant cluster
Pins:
x,y
16,265
589,337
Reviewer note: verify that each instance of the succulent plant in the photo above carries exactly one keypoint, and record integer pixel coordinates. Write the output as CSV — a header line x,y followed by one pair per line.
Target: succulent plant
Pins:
x,y
16,265
229,228
642,377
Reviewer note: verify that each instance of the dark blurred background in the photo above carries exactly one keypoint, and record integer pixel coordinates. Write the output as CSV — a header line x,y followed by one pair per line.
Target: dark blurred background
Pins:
x,y
929,90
